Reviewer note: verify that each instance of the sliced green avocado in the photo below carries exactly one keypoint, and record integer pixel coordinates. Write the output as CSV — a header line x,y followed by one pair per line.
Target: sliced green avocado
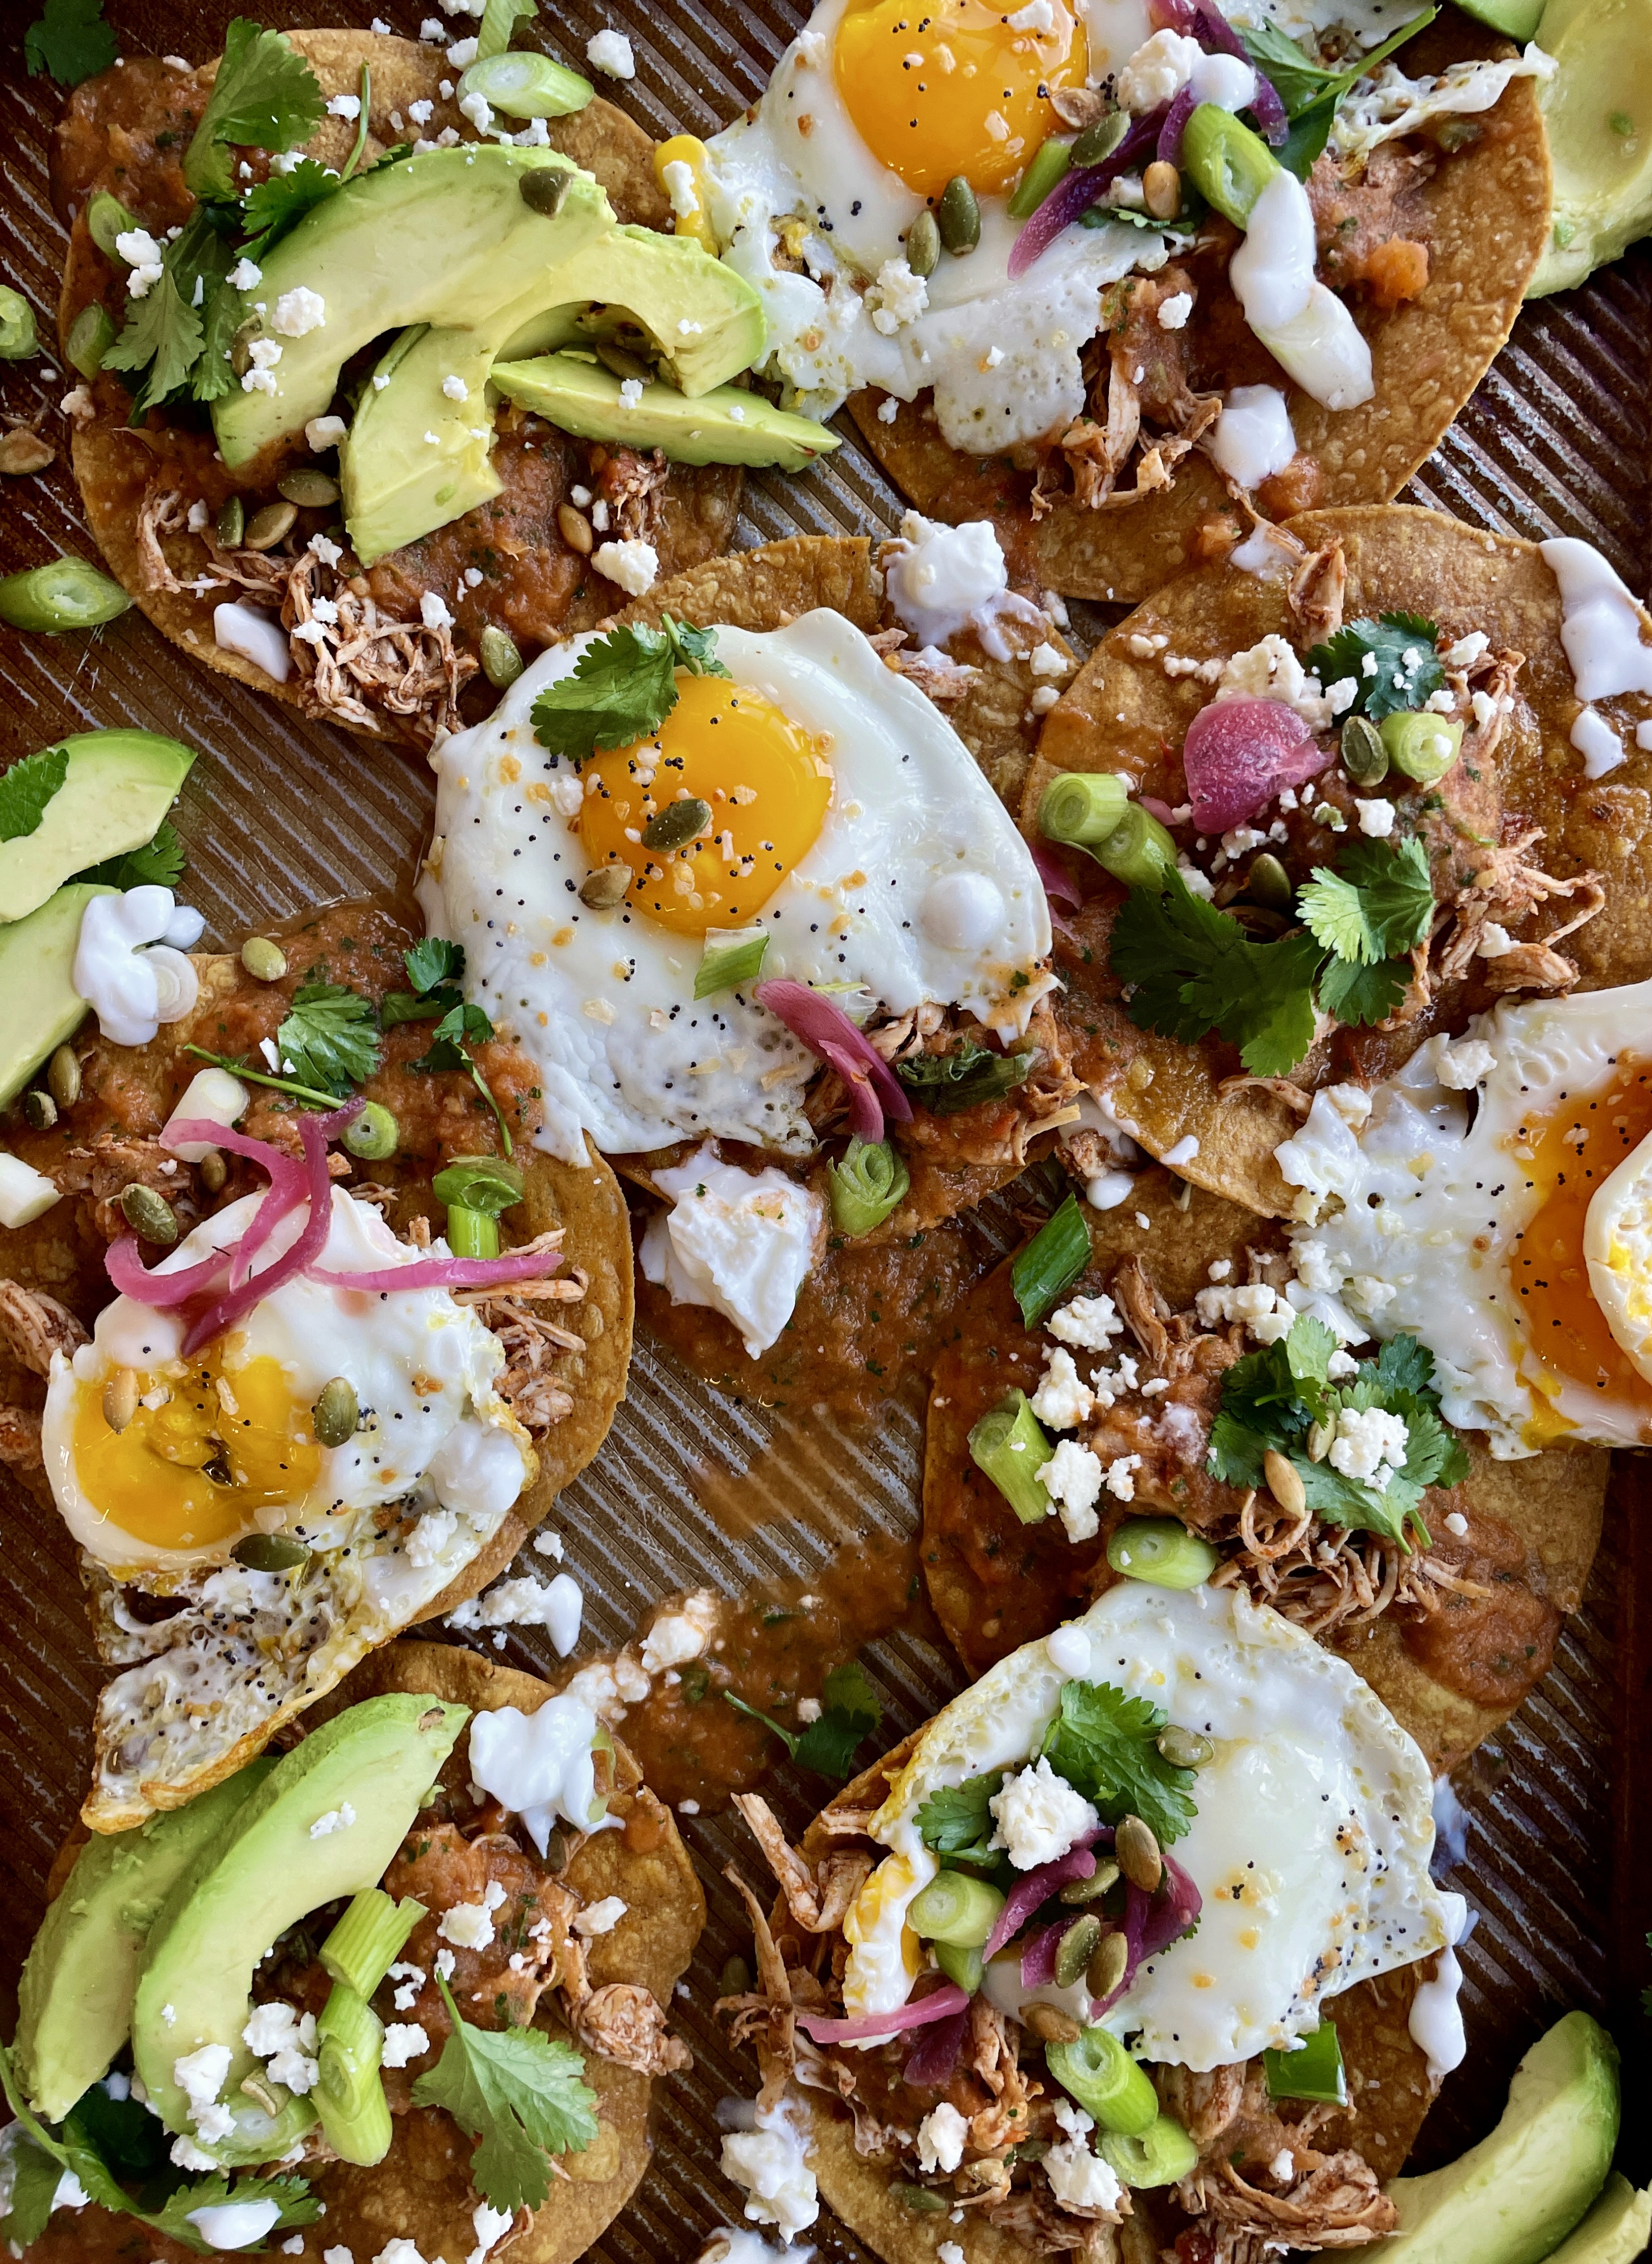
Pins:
x,y
117,788
1516,19
445,237
75,1997
37,981
1597,108
1615,2230
727,426
418,453
322,1826
1516,2196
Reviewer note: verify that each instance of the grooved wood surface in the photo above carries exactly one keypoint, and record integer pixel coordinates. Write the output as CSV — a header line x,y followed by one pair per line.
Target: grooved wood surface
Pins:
x,y
279,814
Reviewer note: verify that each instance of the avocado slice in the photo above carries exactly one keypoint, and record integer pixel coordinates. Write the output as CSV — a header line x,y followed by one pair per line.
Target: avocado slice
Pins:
x,y
1597,111
419,451
75,1997
1516,19
37,981
373,1763
1516,2196
727,426
1615,2230
117,788
444,238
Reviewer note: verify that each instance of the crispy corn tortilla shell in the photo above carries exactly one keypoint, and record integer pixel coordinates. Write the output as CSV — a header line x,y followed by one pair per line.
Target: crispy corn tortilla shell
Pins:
x,y
1122,713
1388,2090
1553,1502
422,2189
1489,216
114,466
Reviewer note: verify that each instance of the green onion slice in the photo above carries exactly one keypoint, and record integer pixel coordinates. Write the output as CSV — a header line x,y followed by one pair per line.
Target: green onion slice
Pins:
x,y
368,1939
1227,163
479,1183
1161,2155
68,594
107,218
349,2090
957,1909
1424,746
1047,1269
961,1965
1162,1551
1055,156
1106,2082
1008,1446
1314,2071
1082,808
499,20
733,956
90,336
18,339
527,85
869,1182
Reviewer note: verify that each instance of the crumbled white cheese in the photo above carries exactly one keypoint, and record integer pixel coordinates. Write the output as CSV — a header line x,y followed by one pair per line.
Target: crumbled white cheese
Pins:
x,y
462,53
433,611
403,2040
259,375
1270,669
940,2138
1038,1816
1048,660
610,52
144,258
477,108
199,2076
344,105
600,1917
468,1925
1376,817
1461,1067
1157,72
1456,1522
337,1819
1121,1477
1175,310
1078,2178
245,275
1370,1446
557,1606
1072,1478
677,1636
455,387
1062,1399
634,566
298,312
898,296
1466,649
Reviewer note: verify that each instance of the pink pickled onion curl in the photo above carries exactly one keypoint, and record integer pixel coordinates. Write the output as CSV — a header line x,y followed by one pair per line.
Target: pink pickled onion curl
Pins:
x,y
316,1132
870,1086
1060,887
1240,754
1076,191
1027,1894
931,2062
940,2005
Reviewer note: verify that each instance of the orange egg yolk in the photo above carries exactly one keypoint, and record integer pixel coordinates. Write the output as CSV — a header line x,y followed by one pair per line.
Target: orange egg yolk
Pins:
x,y
764,781
196,1473
951,87
1570,1341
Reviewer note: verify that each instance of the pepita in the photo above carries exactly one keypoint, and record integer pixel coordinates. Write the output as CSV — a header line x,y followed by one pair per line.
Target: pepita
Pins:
x,y
147,1214
1269,884
1138,1853
270,1552
121,1398
604,889
308,488
241,344
923,245
1319,1439
264,960
501,662
1106,1969
679,823
922,2201
62,1076
39,1110
1364,756
267,527
1050,2025
575,529
555,1851
214,1171
1285,1482
1091,1889
734,1980
1097,143
623,363
232,523
1184,1748
336,1412
1075,1948
958,217
544,188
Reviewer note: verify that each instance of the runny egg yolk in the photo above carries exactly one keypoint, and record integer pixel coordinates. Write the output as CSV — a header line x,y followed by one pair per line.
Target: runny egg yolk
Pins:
x,y
1575,1150
764,780
196,1473
954,88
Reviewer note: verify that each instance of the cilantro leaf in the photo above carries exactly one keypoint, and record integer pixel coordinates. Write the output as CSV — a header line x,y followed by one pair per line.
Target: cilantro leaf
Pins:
x,y
1299,82
462,1024
273,208
158,863
958,1817
622,687
1372,655
298,2206
69,42
433,959
330,1038
1106,1745
1261,999
1358,995
1194,970
518,2091
850,1711
1378,905
946,1084
1405,1365
35,2178
266,97
161,335
26,788
434,968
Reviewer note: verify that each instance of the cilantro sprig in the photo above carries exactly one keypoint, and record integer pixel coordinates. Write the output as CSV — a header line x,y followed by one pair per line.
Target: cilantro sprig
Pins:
x,y
266,97
850,1711
107,2142
157,864
435,967
622,687
1275,1396
957,1820
1105,1743
519,2092
1301,82
1393,662
176,339
26,788
329,1040
69,42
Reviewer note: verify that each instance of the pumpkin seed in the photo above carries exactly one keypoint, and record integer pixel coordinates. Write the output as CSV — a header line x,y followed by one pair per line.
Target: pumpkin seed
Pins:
x,y
266,527
1184,1748
501,662
958,217
309,487
1269,884
555,1851
39,1110
544,188
575,529
1138,1853
62,1076
922,2201
147,1214
121,1398
604,889
734,1980
336,1412
214,1171
1285,1482
264,960
623,363
1105,1874
232,523
1364,756
1097,143
1105,1971
241,344
1050,2025
923,245
677,824
270,1552
1319,1440
1075,1948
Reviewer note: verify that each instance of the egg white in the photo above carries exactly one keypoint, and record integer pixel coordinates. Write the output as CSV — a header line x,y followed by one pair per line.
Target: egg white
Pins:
x,y
602,1003
767,169
1315,1828
1414,1219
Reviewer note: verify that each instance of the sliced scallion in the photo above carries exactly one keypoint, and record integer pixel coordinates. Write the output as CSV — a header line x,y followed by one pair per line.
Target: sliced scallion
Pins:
x,y
1423,746
961,1965
1227,163
107,218
368,1939
1161,2155
1313,2071
1047,1269
17,336
1009,1446
90,336
868,1182
732,956
527,86
67,594
956,1909
349,2090
1162,1551
1092,810
499,20
1100,2074
1052,160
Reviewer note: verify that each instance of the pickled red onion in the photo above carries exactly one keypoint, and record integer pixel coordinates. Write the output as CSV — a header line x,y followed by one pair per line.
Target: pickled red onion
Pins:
x,y
870,1086
1239,754
939,2006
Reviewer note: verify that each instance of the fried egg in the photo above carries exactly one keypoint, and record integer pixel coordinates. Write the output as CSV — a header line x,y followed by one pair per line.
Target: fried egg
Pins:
x,y
1310,1847
1493,1205
850,825
871,112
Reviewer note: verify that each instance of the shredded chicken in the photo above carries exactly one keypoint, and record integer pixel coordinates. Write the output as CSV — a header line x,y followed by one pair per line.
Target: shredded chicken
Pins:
x,y
33,1327
1260,2179
1503,892
20,1438
98,1174
1281,1087
634,489
765,2017
1316,594
1334,2202
1150,410
935,677
818,1902
624,2022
